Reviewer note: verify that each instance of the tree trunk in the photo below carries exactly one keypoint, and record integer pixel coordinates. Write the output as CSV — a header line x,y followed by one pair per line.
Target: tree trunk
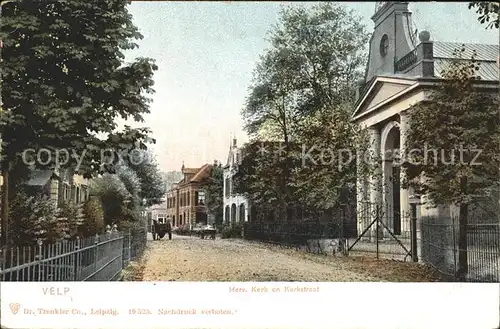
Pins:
x,y
5,208
462,235
5,187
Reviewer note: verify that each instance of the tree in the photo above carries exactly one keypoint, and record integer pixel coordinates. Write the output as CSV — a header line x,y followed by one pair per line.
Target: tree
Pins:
x,y
152,183
489,12
64,82
330,145
461,124
214,193
306,76
260,177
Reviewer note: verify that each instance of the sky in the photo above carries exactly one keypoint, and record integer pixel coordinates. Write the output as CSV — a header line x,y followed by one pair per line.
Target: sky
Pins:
x,y
206,53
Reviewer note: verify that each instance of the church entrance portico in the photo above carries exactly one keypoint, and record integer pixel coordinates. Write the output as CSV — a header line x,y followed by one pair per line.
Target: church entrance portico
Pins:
x,y
392,199
387,200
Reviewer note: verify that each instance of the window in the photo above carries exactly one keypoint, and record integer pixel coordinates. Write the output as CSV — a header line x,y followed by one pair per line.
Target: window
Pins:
x,y
83,196
201,198
188,198
66,192
226,187
384,45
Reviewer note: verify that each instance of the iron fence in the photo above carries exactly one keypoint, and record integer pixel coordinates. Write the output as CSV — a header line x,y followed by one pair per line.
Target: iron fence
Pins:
x,y
388,234
137,240
98,258
313,236
440,248
383,232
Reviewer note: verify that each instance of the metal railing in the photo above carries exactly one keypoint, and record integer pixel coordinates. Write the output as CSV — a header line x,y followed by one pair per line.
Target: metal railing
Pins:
x,y
98,258
312,236
440,248
407,61
384,233
434,241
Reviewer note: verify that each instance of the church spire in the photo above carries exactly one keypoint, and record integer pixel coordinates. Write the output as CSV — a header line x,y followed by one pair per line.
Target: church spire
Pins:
x,y
391,38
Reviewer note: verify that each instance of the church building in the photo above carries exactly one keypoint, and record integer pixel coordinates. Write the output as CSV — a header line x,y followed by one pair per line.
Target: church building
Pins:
x,y
403,67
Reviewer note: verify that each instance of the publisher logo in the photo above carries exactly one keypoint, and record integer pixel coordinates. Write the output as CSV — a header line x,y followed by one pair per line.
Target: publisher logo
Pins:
x,y
14,307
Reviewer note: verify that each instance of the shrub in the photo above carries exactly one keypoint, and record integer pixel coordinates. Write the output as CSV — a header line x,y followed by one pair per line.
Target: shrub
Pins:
x,y
232,231
71,217
93,212
111,192
34,217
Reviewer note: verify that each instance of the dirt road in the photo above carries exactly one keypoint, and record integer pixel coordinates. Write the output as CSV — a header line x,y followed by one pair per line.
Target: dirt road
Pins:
x,y
193,259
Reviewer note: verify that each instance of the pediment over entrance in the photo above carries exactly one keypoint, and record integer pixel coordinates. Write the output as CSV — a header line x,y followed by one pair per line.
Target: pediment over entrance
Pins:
x,y
381,90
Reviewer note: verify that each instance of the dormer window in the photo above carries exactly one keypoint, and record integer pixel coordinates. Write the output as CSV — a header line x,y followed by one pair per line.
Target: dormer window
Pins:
x,y
384,45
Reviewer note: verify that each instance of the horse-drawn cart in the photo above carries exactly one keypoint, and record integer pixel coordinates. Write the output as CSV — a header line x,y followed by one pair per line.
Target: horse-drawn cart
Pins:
x,y
161,229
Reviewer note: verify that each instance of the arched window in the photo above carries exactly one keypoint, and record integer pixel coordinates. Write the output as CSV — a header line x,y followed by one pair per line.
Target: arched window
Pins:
x,y
227,187
226,214
233,213
242,214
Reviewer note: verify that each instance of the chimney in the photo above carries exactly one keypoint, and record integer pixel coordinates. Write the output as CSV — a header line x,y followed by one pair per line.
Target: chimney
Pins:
x,y
216,163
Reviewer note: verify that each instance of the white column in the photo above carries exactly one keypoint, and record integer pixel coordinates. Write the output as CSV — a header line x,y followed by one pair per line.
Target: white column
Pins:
x,y
376,179
404,193
247,211
238,219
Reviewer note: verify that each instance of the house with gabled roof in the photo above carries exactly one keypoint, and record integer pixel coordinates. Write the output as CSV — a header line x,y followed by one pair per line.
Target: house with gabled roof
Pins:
x,y
235,205
60,185
185,201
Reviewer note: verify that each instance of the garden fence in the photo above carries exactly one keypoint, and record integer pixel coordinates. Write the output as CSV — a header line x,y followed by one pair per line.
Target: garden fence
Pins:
x,y
98,258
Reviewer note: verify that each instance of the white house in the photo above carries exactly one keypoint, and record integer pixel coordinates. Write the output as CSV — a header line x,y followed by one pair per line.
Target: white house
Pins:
x,y
402,68
235,206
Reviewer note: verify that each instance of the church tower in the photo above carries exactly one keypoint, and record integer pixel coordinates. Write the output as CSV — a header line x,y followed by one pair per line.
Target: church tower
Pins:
x,y
393,37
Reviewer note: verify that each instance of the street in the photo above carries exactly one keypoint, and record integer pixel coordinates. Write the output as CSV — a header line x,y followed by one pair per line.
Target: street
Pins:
x,y
187,258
